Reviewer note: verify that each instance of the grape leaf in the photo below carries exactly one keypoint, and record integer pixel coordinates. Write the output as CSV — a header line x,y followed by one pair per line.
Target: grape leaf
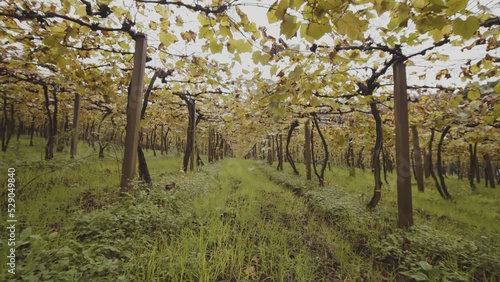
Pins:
x,y
466,28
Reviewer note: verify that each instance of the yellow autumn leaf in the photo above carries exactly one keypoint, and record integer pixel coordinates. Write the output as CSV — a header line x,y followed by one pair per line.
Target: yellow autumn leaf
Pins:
x,y
349,25
215,47
153,25
179,21
382,6
289,26
271,16
466,28
295,4
274,68
231,46
497,88
81,11
455,6
473,95
317,31
50,40
281,9
243,46
167,38
124,45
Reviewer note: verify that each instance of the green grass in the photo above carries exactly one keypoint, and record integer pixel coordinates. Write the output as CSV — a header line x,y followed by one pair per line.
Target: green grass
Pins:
x,y
458,240
236,220
469,213
250,229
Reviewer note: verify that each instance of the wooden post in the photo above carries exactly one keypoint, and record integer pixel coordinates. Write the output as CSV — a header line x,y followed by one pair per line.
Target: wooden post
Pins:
x,y
76,121
307,149
405,212
134,112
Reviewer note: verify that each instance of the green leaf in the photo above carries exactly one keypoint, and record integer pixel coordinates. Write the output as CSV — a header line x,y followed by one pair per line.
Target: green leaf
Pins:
x,y
496,111
273,70
473,95
419,276
81,11
167,38
497,88
153,25
349,25
259,57
243,46
297,72
215,47
400,16
53,235
425,265
281,9
466,28
25,234
317,31
382,6
124,45
289,26
295,4
420,4
271,15
455,6
314,101
50,40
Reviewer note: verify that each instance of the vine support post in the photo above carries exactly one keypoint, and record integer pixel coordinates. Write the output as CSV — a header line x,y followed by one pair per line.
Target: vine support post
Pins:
x,y
405,213
134,112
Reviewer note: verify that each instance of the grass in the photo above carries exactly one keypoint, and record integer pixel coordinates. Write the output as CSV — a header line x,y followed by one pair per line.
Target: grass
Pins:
x,y
469,213
457,242
250,229
49,191
236,220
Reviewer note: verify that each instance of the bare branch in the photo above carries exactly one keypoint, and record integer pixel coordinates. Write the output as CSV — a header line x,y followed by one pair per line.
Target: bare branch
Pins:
x,y
197,8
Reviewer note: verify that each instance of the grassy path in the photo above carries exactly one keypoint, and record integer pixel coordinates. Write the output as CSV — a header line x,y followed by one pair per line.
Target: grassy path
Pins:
x,y
250,229
237,220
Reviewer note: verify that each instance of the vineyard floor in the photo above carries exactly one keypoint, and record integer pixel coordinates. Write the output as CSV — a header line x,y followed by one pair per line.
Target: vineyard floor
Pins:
x,y
236,220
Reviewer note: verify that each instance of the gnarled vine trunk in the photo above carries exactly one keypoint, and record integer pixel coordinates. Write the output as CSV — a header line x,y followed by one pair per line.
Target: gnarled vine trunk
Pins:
x,y
472,168
440,169
476,164
190,103
490,173
321,175
430,164
417,157
279,147
143,166
289,158
307,149
52,122
377,192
